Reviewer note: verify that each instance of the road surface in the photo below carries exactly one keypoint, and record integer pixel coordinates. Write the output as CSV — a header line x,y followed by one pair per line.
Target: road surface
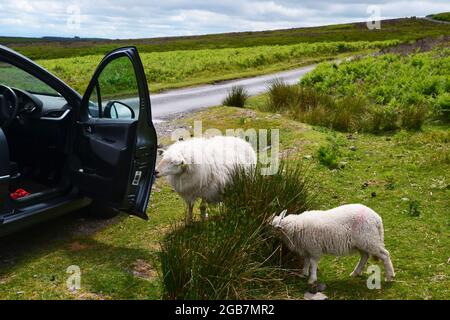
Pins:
x,y
188,99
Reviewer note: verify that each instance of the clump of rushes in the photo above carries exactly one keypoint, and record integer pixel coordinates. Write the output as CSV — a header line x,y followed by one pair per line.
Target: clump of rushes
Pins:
x,y
281,96
343,113
293,99
308,105
237,97
233,254
413,117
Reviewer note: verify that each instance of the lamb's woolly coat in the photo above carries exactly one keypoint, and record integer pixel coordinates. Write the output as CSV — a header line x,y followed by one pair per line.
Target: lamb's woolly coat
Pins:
x,y
202,167
340,231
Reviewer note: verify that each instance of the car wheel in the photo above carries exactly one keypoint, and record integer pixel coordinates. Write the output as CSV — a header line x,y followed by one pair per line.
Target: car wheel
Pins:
x,y
102,211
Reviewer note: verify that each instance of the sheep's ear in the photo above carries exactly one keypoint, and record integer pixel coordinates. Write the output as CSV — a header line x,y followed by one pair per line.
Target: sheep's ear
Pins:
x,y
283,214
161,151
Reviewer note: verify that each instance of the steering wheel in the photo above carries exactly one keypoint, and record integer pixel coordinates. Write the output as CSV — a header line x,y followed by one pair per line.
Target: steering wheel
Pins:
x,y
9,105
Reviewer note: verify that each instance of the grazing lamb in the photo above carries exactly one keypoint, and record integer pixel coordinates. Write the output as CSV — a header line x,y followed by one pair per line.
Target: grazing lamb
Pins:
x,y
202,167
340,231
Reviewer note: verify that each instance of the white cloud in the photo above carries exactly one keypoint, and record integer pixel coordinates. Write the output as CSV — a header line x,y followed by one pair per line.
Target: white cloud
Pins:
x,y
265,8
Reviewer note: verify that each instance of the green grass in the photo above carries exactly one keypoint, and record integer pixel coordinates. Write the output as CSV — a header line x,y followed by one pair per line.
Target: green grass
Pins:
x,y
402,169
391,174
189,67
388,79
444,16
329,155
403,29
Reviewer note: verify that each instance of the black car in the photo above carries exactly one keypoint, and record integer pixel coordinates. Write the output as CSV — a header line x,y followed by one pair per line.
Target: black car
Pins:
x,y
60,151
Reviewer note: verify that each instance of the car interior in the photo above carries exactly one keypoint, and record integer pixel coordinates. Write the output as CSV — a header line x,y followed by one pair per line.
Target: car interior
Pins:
x,y
36,129
49,153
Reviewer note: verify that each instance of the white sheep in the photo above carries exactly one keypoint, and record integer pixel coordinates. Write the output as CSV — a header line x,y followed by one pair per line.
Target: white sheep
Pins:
x,y
340,231
202,167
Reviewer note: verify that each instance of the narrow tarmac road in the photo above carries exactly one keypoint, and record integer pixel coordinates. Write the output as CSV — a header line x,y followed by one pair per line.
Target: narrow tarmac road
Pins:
x,y
177,101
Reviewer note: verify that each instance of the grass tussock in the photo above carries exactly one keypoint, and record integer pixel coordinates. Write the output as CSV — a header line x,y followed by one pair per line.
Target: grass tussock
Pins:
x,y
342,113
233,255
237,97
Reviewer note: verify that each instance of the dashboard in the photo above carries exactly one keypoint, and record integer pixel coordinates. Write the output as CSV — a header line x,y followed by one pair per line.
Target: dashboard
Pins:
x,y
40,106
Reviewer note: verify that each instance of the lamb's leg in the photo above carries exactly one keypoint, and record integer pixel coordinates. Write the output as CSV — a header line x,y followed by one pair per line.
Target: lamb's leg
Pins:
x,y
388,267
306,264
203,210
313,276
360,266
190,209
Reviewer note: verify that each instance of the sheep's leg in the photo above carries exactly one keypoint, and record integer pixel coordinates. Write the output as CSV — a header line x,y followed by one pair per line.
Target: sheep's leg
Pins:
x,y
306,264
388,267
190,209
203,210
313,276
362,262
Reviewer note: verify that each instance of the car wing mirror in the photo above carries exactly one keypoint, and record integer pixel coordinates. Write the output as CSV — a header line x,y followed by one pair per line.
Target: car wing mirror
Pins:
x,y
115,109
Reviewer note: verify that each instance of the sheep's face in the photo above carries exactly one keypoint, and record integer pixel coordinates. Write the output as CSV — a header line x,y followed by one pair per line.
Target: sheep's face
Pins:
x,y
276,220
170,165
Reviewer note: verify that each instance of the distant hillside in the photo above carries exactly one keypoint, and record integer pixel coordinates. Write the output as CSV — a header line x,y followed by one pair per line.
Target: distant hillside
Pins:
x,y
21,40
444,16
403,29
48,38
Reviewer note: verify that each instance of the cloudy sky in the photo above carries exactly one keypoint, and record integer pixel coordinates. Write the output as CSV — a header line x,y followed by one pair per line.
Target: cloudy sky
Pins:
x,y
149,18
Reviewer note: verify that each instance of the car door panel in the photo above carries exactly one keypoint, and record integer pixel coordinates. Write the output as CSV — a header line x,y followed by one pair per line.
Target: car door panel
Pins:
x,y
108,140
116,156
105,154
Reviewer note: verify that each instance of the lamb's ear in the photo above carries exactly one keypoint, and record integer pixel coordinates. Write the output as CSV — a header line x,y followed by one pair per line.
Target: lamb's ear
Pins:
x,y
283,214
161,151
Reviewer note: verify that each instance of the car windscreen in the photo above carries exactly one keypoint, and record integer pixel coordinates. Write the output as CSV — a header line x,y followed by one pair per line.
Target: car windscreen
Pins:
x,y
12,76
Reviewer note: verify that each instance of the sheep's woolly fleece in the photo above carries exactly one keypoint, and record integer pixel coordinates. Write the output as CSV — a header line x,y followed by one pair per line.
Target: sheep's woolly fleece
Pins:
x,y
201,168
340,231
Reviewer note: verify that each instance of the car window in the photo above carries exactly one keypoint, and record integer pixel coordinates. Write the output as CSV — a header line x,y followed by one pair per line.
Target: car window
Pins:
x,y
12,76
116,95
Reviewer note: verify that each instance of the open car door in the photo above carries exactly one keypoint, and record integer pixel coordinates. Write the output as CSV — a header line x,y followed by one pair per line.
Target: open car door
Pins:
x,y
115,142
